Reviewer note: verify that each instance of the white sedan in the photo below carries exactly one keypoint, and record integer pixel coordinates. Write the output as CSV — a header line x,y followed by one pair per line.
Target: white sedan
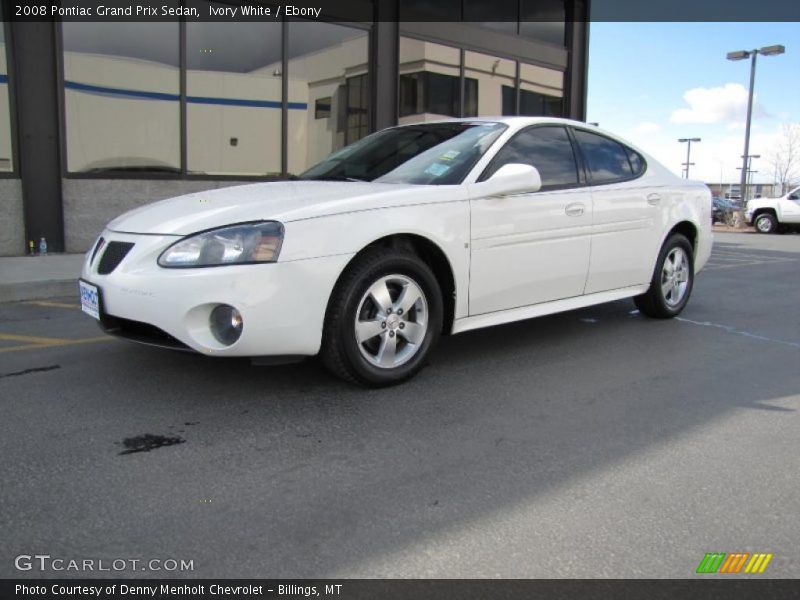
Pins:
x,y
412,232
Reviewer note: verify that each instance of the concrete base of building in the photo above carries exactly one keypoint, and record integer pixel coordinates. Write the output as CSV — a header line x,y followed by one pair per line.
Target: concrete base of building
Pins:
x,y
12,222
89,204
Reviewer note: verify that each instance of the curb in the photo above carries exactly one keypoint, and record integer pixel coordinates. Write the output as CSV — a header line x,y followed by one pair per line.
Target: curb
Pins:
x,y
38,290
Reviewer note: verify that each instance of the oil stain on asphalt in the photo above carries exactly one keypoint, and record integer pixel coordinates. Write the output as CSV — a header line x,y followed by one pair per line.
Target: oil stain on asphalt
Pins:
x,y
33,370
148,441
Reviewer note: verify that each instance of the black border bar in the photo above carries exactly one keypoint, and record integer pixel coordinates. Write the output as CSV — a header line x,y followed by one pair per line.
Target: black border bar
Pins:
x,y
701,587
409,10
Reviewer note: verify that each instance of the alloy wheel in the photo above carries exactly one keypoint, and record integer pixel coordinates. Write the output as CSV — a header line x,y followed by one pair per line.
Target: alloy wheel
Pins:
x,y
675,276
391,321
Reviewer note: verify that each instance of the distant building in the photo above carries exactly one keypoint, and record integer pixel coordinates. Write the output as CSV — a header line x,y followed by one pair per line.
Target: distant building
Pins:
x,y
731,190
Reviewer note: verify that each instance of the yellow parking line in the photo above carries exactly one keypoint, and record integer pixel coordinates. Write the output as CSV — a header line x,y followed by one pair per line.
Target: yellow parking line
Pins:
x,y
30,338
53,304
53,343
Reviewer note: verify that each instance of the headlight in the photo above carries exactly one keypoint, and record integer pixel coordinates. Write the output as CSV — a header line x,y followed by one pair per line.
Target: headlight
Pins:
x,y
244,243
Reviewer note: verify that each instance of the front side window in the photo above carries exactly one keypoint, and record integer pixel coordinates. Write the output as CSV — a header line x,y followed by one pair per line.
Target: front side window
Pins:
x,y
607,160
547,148
432,154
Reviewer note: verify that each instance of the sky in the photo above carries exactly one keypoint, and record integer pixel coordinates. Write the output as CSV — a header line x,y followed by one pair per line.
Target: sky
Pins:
x,y
653,83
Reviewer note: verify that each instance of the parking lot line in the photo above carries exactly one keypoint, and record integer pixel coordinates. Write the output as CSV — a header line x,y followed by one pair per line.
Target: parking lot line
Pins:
x,y
43,342
12,337
53,304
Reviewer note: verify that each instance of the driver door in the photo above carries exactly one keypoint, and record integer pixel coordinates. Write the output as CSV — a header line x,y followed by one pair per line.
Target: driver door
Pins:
x,y
534,247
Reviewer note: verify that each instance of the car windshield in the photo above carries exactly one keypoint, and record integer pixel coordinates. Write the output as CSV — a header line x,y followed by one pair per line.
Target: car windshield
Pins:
x,y
427,153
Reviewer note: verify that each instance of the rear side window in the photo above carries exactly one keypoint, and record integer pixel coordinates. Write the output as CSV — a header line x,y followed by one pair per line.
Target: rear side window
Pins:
x,y
607,160
637,162
546,148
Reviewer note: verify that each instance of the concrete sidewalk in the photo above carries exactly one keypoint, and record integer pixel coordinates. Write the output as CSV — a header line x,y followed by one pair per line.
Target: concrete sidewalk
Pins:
x,y
36,277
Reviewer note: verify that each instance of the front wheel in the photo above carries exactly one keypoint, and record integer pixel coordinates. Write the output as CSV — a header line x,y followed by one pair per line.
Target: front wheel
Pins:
x,y
766,223
672,280
384,317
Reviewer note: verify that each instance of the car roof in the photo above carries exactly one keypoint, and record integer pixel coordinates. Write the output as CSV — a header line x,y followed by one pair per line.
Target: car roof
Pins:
x,y
518,122
515,120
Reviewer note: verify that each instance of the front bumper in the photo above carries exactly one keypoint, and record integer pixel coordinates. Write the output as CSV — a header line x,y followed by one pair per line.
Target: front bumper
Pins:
x,y
282,304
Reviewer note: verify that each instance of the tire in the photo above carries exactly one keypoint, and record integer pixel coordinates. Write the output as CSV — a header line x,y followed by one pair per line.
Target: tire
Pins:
x,y
396,336
668,293
765,223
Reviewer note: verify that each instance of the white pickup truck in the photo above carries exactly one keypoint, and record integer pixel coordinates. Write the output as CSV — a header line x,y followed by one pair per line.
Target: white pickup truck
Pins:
x,y
769,215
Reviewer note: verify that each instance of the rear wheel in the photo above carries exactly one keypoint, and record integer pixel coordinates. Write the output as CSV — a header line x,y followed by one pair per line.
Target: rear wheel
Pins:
x,y
672,280
766,223
384,317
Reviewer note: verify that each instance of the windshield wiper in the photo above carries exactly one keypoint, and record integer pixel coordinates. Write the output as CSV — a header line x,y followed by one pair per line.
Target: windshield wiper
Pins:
x,y
341,178
338,178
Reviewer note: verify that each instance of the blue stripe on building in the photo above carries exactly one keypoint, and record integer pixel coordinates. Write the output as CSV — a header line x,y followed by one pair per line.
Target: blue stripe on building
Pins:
x,y
100,90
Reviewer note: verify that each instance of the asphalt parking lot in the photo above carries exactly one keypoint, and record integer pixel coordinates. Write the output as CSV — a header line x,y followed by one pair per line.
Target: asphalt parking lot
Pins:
x,y
595,443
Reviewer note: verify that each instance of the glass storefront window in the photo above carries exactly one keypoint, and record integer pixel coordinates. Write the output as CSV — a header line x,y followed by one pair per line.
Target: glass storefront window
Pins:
x,y
540,91
430,81
329,100
122,96
492,74
6,158
543,20
497,15
233,98
413,10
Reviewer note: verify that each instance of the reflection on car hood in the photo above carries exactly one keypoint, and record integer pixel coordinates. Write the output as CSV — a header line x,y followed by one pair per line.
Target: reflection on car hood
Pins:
x,y
283,201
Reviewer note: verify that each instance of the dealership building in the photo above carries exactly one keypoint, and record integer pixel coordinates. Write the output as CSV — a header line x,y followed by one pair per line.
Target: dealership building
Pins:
x,y
97,118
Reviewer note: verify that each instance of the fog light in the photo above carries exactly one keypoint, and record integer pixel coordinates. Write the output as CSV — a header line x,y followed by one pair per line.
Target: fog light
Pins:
x,y
226,324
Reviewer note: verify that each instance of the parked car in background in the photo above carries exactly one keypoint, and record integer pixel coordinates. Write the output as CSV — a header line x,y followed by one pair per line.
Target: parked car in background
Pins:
x,y
412,232
770,215
722,210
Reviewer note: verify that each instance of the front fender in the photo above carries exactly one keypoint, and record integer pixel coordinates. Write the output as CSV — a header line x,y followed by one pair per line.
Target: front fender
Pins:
x,y
447,225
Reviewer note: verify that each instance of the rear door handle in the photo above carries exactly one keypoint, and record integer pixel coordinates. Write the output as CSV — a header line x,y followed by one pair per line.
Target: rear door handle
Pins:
x,y
653,198
575,209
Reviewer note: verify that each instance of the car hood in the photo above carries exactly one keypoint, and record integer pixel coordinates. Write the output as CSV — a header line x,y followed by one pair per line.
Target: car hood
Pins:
x,y
283,201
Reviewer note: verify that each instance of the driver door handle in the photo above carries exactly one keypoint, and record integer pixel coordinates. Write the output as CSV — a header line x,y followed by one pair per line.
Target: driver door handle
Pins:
x,y
574,210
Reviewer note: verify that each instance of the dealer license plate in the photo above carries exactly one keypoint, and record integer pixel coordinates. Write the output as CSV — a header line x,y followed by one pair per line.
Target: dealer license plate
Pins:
x,y
90,299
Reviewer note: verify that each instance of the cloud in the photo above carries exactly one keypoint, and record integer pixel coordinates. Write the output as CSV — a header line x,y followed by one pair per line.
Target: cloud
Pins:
x,y
646,127
717,156
725,104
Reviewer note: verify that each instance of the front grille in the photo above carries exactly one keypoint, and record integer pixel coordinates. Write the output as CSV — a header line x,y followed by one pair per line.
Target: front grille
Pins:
x,y
115,252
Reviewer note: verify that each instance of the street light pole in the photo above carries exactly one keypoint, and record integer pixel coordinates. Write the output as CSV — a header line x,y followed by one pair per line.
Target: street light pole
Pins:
x,y
751,54
688,142
745,165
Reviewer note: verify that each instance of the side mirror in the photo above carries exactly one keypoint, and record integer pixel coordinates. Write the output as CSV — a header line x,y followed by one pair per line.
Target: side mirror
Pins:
x,y
513,178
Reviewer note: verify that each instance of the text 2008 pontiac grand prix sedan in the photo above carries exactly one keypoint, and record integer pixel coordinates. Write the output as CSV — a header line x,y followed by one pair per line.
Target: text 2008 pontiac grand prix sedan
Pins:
x,y
414,231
